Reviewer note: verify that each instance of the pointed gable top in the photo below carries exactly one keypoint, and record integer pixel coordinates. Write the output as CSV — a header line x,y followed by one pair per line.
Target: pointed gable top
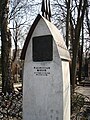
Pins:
x,y
54,32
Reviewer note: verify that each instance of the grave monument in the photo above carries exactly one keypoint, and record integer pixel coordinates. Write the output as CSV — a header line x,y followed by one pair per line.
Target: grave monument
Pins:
x,y
46,76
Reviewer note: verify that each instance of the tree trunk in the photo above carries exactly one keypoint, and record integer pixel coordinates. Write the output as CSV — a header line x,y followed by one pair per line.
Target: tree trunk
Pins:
x,y
67,22
81,55
5,49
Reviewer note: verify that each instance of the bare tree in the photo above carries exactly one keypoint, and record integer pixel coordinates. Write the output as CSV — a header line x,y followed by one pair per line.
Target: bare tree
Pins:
x,y
6,15
69,15
75,43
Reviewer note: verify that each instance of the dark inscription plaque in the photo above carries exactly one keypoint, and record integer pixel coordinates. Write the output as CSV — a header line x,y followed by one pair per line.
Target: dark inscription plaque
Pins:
x,y
42,48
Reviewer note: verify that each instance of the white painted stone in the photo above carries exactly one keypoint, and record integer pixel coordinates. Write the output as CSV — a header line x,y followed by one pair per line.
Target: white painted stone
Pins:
x,y
46,94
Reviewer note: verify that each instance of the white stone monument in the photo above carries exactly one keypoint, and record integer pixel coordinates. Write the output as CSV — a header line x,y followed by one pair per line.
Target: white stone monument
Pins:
x,y
46,77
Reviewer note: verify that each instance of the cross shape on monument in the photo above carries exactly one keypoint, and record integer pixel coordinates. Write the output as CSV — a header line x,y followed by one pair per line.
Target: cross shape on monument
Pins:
x,y
46,10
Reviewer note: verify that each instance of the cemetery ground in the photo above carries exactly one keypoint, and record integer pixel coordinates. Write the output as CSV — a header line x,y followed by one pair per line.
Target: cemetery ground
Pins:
x,y
11,105
81,101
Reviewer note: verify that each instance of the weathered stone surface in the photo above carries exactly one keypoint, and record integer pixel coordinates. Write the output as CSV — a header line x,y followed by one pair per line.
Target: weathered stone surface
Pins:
x,y
46,84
